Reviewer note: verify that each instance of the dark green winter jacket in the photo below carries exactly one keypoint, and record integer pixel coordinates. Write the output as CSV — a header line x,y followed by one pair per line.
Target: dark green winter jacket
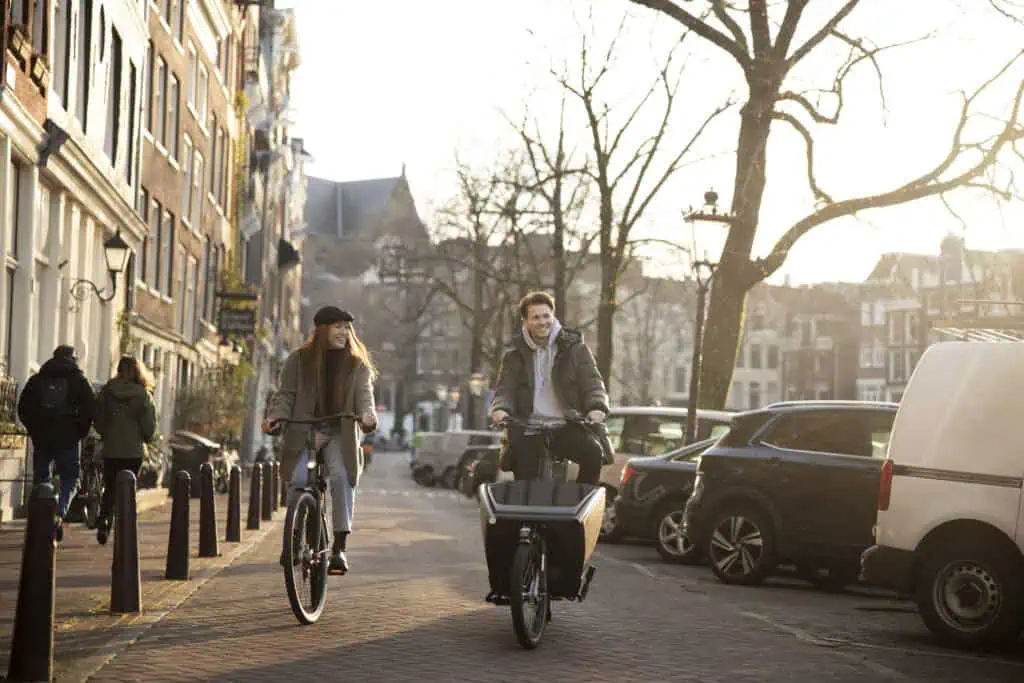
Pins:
x,y
125,418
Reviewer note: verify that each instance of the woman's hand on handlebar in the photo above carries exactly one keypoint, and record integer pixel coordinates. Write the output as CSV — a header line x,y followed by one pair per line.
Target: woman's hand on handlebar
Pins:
x,y
368,422
271,426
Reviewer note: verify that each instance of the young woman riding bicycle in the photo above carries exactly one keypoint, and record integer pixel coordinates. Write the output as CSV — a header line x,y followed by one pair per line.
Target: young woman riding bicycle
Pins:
x,y
331,373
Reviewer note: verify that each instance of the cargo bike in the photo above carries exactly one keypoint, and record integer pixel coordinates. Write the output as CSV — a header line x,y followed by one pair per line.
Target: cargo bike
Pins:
x,y
539,536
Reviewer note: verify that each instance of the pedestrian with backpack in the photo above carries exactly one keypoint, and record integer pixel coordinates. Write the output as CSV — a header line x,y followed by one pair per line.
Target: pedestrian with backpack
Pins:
x,y
57,407
126,419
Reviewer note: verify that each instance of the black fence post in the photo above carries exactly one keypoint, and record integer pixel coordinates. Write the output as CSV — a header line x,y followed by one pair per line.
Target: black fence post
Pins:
x,y
255,497
32,640
207,513
177,544
234,530
276,497
125,579
268,491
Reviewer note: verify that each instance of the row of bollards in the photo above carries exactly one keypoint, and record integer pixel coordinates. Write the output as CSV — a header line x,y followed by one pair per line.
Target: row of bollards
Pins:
x,y
33,639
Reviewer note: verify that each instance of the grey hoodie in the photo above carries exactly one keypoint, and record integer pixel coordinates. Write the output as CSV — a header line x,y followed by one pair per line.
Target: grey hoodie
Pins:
x,y
546,405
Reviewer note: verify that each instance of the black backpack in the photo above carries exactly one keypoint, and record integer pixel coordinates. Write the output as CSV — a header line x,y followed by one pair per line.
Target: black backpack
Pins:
x,y
54,397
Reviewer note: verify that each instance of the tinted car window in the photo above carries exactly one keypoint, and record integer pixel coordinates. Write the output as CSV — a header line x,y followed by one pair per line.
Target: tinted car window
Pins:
x,y
880,428
821,431
692,451
651,434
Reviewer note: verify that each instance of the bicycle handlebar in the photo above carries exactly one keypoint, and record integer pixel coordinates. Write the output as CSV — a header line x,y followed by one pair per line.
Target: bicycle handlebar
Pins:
x,y
276,428
509,421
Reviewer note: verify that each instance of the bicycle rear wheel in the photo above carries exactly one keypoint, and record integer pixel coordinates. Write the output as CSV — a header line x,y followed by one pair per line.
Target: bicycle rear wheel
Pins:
x,y
528,595
306,559
92,493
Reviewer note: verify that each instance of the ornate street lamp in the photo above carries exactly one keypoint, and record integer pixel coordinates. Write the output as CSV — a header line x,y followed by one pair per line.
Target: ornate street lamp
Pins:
x,y
116,251
703,275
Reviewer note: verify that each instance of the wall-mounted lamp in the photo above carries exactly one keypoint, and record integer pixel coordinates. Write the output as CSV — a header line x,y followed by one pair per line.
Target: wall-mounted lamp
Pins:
x,y
116,251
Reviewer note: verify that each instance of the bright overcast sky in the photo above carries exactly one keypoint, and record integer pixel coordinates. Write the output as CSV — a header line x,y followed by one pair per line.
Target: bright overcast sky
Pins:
x,y
392,82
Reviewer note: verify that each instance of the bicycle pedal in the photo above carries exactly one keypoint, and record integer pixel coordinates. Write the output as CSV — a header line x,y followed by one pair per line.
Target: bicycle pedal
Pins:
x,y
499,600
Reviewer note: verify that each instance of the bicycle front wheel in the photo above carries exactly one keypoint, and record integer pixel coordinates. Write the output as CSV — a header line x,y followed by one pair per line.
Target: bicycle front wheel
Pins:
x,y
93,493
306,558
528,595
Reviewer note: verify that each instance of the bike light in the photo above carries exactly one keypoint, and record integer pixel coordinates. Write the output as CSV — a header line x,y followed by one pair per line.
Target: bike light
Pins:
x,y
311,465
627,473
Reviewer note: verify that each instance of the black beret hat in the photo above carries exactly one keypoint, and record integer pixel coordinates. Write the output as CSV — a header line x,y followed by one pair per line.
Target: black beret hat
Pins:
x,y
328,315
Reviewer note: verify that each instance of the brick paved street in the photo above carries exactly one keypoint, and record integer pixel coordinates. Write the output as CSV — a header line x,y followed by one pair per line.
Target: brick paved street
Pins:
x,y
86,633
412,610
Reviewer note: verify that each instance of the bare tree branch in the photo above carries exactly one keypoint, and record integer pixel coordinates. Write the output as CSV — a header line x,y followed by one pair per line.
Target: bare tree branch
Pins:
x,y
826,30
800,128
701,28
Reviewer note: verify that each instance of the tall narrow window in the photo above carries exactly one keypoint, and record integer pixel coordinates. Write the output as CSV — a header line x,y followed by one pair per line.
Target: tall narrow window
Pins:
x,y
173,117
167,254
143,209
61,49
113,98
153,271
41,28
130,165
186,184
197,184
215,139
84,63
177,22
159,102
201,96
150,66
193,77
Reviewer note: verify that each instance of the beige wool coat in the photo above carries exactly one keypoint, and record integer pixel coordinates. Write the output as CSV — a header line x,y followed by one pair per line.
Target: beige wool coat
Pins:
x,y
296,399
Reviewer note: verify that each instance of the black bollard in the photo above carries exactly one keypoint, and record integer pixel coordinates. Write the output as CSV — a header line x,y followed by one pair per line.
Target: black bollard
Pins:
x,y
125,579
234,531
177,544
255,497
207,513
276,497
268,491
32,641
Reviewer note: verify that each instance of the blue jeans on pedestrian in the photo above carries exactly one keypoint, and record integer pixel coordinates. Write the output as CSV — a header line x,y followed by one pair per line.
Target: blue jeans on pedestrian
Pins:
x,y
66,463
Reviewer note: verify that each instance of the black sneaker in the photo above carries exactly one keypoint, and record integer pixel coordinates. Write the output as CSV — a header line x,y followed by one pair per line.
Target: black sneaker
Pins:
x,y
339,564
102,530
58,530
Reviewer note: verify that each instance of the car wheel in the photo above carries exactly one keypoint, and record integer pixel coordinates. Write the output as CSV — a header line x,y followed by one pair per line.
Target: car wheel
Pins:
x,y
450,478
611,532
741,544
971,595
424,476
671,543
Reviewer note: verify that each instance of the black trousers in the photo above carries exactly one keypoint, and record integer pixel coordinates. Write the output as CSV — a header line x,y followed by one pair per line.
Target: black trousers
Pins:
x,y
111,466
573,441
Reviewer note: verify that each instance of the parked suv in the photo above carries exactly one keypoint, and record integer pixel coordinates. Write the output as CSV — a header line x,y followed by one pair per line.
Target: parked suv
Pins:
x,y
793,483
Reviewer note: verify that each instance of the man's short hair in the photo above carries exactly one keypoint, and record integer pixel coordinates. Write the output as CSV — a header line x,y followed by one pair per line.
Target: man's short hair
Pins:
x,y
534,299
64,351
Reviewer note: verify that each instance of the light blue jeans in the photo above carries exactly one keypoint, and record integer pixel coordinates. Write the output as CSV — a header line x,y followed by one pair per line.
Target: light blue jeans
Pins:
x,y
343,495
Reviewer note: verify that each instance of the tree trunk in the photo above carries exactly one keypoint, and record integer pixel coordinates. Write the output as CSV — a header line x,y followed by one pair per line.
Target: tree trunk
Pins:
x,y
735,276
558,251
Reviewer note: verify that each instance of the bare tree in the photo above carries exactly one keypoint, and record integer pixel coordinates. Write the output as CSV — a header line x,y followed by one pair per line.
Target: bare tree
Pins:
x,y
652,328
558,180
766,62
627,177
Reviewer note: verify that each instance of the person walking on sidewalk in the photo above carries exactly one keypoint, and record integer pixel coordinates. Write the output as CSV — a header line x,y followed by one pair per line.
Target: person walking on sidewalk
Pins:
x,y
331,373
126,419
57,407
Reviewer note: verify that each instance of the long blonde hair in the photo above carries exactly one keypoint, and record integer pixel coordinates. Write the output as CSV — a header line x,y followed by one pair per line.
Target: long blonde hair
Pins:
x,y
132,369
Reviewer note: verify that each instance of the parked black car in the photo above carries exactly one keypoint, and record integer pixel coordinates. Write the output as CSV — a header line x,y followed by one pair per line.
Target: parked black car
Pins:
x,y
793,483
651,496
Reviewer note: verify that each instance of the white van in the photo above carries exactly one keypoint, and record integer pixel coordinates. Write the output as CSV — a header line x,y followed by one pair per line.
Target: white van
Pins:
x,y
950,524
